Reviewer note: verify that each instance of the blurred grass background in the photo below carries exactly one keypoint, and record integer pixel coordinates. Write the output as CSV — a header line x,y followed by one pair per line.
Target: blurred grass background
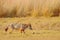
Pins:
x,y
29,8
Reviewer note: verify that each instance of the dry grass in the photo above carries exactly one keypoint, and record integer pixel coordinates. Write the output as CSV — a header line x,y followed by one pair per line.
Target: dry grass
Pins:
x,y
25,8
43,29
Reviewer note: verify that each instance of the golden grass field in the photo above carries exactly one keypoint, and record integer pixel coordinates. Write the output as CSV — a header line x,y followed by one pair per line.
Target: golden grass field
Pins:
x,y
31,11
43,28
